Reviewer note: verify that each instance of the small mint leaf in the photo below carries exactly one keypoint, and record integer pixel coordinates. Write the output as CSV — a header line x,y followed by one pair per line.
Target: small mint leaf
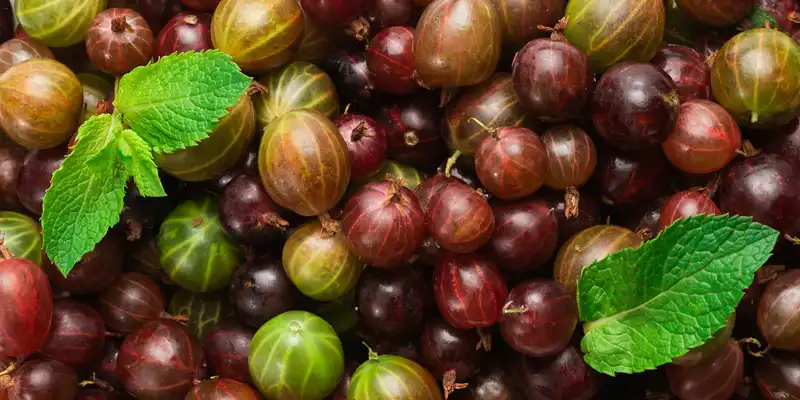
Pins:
x,y
175,102
84,201
137,157
647,306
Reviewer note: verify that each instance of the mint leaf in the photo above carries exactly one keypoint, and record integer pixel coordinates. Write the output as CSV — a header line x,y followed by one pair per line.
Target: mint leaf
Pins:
x,y
137,157
652,304
174,103
86,194
760,18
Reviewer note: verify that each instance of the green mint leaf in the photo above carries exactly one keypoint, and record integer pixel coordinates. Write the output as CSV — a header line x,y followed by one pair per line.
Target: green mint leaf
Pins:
x,y
175,102
760,18
646,306
84,200
137,157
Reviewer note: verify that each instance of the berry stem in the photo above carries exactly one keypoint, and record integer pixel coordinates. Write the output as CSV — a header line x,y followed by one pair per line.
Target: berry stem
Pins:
x,y
448,94
4,252
256,88
359,29
449,383
329,225
571,200
120,24
361,131
508,310
371,353
492,131
411,139
451,162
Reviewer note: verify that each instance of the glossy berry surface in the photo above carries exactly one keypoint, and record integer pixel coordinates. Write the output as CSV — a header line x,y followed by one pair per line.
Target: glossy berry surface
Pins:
x,y
469,290
460,218
539,318
186,31
450,354
261,290
222,389
705,138
94,272
776,375
777,308
635,106
351,75
563,376
77,334
686,204
226,349
413,132
688,70
248,214
35,174
26,307
119,40
714,379
552,78
571,155
130,302
393,302
392,376
43,379
366,142
525,236
159,360
334,12
511,163
631,177
390,59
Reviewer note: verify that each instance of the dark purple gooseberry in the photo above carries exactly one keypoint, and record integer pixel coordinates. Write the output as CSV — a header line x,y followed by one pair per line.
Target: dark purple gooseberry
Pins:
x,y
553,79
383,14
511,162
469,290
340,393
6,21
783,141
525,234
158,12
77,334
201,5
588,213
41,379
96,394
492,383
334,12
573,159
688,70
35,174
187,31
248,214
563,376
776,310
95,271
260,290
106,366
539,318
635,105
716,378
765,187
350,74
119,40
413,132
130,302
12,156
778,375
366,142
159,361
450,354
632,177
384,223
459,218
390,60
393,303
686,204
226,348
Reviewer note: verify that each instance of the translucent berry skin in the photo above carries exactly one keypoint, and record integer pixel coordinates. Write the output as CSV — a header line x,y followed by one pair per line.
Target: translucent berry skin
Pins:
x,y
635,105
525,234
469,290
688,70
119,40
713,379
460,219
571,155
384,223
159,361
765,187
26,307
686,204
130,302
776,375
632,177
77,334
705,138
512,163
539,319
44,379
553,79
366,143
18,50
413,132
777,309
187,31
226,349
390,59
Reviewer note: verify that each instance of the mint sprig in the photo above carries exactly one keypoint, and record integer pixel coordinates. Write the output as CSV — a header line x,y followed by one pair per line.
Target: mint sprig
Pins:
x,y
165,106
647,306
